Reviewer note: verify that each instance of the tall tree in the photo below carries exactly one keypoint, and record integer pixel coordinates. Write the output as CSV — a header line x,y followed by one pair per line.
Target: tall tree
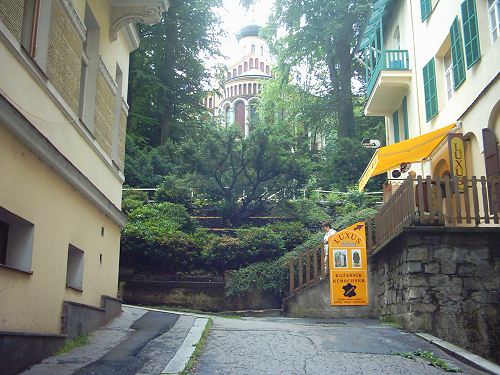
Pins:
x,y
325,33
168,71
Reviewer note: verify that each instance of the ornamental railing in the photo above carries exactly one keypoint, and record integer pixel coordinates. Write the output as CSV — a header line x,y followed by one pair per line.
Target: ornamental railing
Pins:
x,y
384,60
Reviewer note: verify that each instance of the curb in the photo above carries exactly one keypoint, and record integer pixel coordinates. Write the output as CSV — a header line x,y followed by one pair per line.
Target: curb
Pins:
x,y
187,348
462,354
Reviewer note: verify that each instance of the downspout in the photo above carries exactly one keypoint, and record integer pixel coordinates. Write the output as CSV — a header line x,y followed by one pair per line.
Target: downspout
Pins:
x,y
416,75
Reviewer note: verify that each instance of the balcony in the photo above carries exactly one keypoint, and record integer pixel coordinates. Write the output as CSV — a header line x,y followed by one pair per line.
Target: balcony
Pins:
x,y
388,82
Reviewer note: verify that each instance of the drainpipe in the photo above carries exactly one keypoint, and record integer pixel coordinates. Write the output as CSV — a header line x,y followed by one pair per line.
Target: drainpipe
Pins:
x,y
416,75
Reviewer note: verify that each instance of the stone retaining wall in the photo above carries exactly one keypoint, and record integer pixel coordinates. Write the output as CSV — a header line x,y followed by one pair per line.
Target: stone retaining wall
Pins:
x,y
444,281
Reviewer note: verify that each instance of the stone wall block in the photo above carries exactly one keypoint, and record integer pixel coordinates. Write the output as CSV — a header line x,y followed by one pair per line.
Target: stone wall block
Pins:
x,y
413,267
432,267
472,284
417,253
478,254
466,269
417,280
438,281
448,267
423,307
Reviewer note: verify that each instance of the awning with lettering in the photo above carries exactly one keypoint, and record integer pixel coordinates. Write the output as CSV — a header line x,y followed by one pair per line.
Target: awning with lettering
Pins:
x,y
412,150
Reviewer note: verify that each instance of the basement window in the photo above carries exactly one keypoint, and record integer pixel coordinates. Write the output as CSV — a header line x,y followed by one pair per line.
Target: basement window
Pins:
x,y
16,241
74,269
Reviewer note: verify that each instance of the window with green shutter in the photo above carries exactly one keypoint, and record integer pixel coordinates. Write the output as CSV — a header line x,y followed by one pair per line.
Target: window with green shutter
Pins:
x,y
425,9
471,36
395,122
430,92
457,56
404,106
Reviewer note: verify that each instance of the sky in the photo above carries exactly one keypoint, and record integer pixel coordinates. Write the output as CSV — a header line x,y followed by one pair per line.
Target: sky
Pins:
x,y
234,18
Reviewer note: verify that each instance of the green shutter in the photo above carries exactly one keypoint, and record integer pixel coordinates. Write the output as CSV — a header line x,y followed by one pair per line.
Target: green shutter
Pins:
x,y
405,118
431,103
471,36
457,56
425,9
395,122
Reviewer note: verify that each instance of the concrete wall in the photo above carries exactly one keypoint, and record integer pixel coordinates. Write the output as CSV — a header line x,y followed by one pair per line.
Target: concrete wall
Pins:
x,y
196,295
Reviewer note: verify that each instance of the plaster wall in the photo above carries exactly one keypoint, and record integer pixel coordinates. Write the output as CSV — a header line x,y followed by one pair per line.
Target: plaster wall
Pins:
x,y
61,216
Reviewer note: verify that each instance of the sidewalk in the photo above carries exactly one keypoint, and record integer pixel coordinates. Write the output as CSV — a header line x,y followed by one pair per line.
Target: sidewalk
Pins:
x,y
140,341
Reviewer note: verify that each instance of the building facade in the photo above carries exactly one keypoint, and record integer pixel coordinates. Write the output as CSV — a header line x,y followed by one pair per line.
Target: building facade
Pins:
x,y
235,102
63,112
431,64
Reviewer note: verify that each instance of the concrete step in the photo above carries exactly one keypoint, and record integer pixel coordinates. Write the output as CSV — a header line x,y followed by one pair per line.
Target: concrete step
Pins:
x,y
256,313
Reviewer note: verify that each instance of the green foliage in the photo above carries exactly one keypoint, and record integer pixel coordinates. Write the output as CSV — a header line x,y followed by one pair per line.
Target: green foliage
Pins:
x,y
305,211
174,189
133,199
432,359
244,173
153,221
353,217
167,71
269,277
293,233
73,344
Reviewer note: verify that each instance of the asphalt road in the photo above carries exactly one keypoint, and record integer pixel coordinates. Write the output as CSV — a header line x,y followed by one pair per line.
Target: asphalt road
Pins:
x,y
124,359
306,346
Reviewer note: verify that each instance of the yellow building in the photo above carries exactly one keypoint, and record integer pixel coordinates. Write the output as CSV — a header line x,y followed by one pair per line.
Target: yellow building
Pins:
x,y
63,91
430,64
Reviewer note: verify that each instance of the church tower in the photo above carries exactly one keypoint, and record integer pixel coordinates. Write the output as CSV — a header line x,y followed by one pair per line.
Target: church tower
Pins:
x,y
243,83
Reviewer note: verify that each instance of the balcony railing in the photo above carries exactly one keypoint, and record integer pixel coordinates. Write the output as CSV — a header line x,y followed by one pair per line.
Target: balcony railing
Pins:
x,y
437,202
388,60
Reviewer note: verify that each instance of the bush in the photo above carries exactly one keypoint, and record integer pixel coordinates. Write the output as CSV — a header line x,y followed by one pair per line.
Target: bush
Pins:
x,y
293,233
305,211
133,199
174,190
270,277
260,244
353,217
153,221
267,277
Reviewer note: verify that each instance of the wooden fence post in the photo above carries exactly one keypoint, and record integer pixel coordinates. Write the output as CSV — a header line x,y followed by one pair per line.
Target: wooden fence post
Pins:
x,y
301,271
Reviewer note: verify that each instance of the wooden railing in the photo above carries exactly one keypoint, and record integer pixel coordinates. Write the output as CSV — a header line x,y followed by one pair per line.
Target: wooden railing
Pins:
x,y
445,201
418,201
306,269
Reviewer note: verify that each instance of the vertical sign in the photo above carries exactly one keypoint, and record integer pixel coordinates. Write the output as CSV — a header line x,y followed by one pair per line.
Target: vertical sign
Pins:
x,y
348,266
457,158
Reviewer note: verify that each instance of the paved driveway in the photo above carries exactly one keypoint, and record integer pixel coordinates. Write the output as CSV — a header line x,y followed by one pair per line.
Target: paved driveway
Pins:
x,y
308,346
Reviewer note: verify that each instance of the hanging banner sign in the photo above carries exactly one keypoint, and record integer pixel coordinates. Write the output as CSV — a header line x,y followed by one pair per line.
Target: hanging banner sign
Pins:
x,y
457,158
348,266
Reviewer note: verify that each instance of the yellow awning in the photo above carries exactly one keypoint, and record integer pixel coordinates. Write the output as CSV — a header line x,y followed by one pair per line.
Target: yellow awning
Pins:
x,y
412,150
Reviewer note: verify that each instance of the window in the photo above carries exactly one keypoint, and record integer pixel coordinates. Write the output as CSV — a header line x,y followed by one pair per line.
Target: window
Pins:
x,y
4,235
425,9
397,39
74,268
16,241
404,107
471,36
261,50
88,74
431,103
228,116
117,114
457,56
494,18
253,48
395,123
35,29
448,74
30,26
